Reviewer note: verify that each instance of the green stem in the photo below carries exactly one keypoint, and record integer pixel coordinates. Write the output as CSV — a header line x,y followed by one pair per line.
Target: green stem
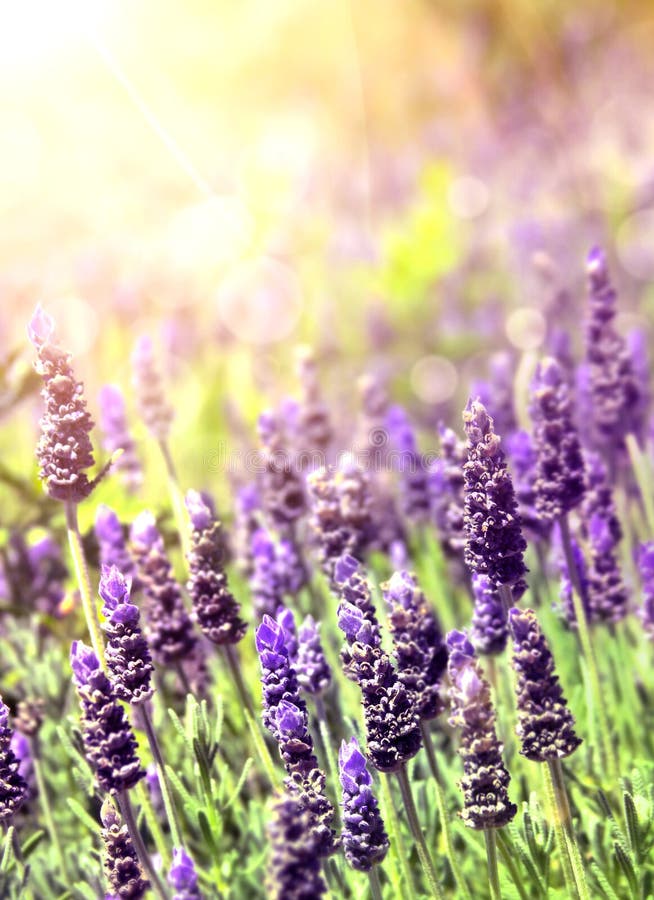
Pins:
x,y
559,833
491,863
183,678
607,754
81,571
416,831
443,814
44,800
375,884
164,783
325,737
154,826
509,862
398,848
563,807
641,467
128,816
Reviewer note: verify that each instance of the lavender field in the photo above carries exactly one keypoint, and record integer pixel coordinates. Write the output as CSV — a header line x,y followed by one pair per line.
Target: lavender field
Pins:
x,y
327,450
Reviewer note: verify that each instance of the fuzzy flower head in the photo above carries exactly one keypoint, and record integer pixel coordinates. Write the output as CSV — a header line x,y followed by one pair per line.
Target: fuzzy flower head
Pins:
x,y
494,542
365,842
313,671
64,451
294,865
182,876
490,627
122,868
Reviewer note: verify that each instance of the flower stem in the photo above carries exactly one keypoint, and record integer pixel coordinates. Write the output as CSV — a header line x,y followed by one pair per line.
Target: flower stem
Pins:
x,y
404,886
491,862
166,792
607,754
153,824
323,727
462,887
44,799
508,861
183,678
81,571
375,885
564,818
128,815
416,831
642,472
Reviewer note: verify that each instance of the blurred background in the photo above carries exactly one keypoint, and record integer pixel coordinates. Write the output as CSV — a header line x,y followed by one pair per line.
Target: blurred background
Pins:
x,y
412,182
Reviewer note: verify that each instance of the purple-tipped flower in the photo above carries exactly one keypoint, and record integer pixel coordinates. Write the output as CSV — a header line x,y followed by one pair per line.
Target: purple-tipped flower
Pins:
x,y
560,478
279,679
646,569
153,406
286,619
294,863
340,512
420,649
20,747
108,740
490,627
116,435
365,842
616,396
169,627
545,724
214,606
413,476
112,543
485,780
64,451
125,878
314,674
13,788
127,652
266,584
392,728
494,541
524,461
182,876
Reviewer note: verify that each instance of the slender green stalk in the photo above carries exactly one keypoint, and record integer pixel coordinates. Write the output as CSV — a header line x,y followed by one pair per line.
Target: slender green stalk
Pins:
x,y
455,868
416,831
375,885
491,863
164,783
406,887
128,816
176,498
183,678
558,815
563,807
607,753
154,826
84,583
509,862
44,800
643,474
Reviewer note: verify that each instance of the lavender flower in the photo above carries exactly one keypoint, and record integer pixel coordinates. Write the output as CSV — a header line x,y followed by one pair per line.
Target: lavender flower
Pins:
x,y
292,572
64,451
278,677
314,674
314,427
113,544
607,594
646,569
420,650
560,478
182,876
266,584
35,574
127,653
494,541
169,628
116,434
614,388
13,788
566,604
20,747
365,842
122,868
153,406
485,780
340,512
214,606
414,493
446,488
545,724
497,393
154,790
392,729
286,619
294,863
246,524
108,740
524,460
282,488
490,628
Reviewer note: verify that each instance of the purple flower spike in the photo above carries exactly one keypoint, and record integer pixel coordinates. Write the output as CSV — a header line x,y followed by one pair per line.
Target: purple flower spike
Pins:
x,y
545,724
313,672
294,863
122,868
265,583
566,605
414,493
646,569
13,789
116,435
494,542
524,460
182,876
485,780
215,608
490,628
246,523
286,619
155,410
127,653
113,544
108,740
282,487
314,428
291,570
64,450
446,488
365,842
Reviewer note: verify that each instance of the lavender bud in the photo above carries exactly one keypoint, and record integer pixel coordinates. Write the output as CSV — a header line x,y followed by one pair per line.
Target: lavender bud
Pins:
x,y
545,724
294,863
182,876
13,788
265,583
292,572
607,594
108,740
153,406
314,427
122,868
214,606
64,450
414,493
485,780
286,619
494,541
314,674
116,435
113,544
278,676
282,487
490,627
127,654
365,842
